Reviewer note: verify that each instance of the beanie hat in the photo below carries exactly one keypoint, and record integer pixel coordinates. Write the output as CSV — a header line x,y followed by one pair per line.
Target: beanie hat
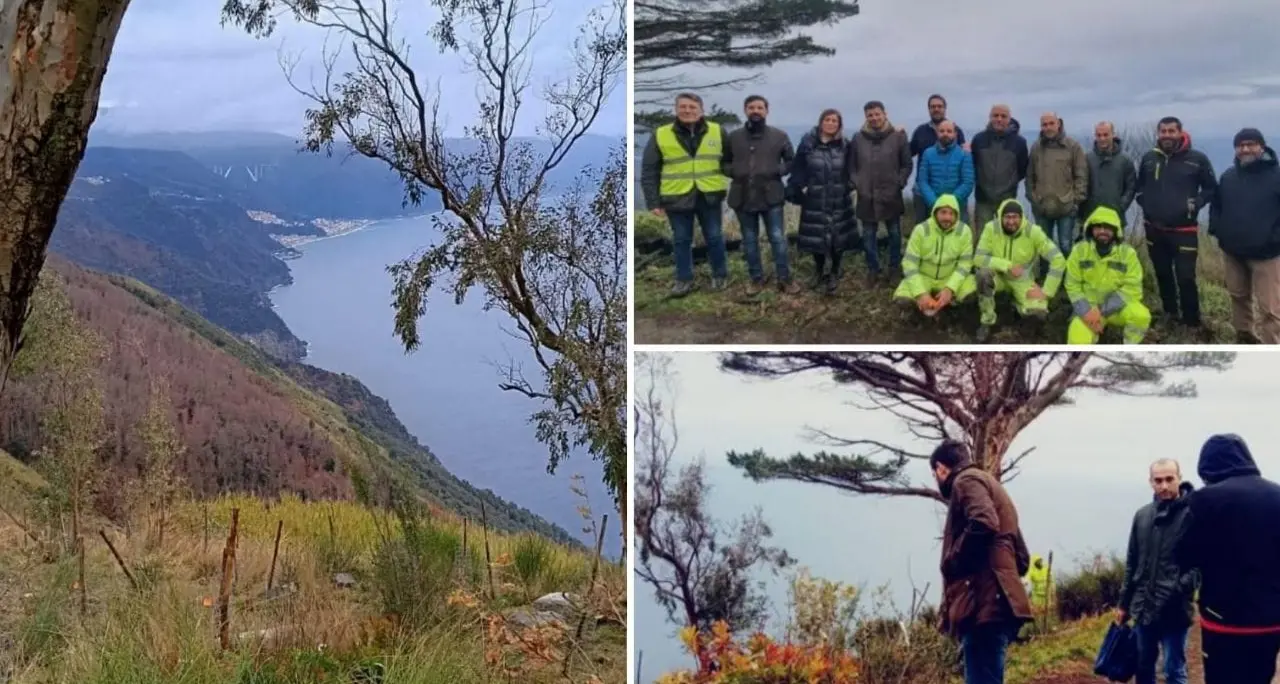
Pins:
x,y
1013,208
1249,135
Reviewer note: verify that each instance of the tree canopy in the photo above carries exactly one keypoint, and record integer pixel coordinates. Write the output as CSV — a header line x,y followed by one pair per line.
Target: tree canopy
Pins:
x,y
983,399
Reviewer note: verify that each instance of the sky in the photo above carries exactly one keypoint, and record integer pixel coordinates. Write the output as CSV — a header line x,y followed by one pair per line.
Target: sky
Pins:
x,y
175,68
1076,494
1213,64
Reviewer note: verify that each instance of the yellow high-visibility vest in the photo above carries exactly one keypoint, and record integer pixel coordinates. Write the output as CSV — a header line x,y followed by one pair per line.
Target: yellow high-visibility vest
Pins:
x,y
682,173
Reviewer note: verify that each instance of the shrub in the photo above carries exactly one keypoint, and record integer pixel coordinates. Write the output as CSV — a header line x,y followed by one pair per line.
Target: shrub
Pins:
x,y
530,559
1093,589
413,573
897,647
723,659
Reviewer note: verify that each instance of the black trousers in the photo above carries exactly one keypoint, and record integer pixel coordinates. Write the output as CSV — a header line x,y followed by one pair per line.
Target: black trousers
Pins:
x,y
1173,255
1239,659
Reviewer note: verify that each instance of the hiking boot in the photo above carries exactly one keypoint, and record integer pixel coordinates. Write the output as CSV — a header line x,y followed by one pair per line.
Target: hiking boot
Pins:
x,y
1247,337
833,283
983,334
682,289
790,287
755,287
719,284
873,279
818,280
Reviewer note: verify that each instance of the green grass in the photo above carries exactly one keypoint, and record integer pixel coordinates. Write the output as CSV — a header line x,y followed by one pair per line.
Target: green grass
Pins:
x,y
859,314
1069,650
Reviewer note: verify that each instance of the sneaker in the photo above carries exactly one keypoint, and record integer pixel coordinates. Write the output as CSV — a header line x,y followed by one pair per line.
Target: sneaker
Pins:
x,y
788,287
983,334
1246,337
755,287
682,288
718,284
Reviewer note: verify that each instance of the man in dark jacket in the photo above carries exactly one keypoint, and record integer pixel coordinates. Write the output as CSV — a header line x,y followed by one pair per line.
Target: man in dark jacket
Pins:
x,y
880,157
1245,217
1113,180
1157,591
924,137
1234,541
999,164
1174,183
682,180
983,560
757,158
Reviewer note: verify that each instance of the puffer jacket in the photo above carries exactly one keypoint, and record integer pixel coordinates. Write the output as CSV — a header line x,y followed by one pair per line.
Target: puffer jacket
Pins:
x,y
945,171
1157,589
820,184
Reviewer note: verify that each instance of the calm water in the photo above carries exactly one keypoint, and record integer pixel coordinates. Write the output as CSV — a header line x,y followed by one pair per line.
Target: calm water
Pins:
x,y
1076,494
446,393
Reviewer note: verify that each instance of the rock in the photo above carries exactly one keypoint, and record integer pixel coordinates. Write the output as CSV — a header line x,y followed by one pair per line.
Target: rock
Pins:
x,y
527,618
344,580
567,606
279,591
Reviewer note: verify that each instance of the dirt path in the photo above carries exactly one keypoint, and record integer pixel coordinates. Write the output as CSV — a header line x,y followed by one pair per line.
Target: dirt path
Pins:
x,y
1195,668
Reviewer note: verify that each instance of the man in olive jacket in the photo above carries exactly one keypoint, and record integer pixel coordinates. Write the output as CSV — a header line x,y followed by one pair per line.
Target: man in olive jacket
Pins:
x,y
1057,181
1157,591
757,158
983,560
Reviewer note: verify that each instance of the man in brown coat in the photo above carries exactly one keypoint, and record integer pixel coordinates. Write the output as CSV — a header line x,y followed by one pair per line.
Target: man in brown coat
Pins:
x,y
983,560
880,162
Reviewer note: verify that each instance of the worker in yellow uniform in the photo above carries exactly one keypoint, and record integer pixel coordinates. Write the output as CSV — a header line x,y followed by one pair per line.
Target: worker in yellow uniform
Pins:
x,y
1104,283
1038,577
1008,253
937,268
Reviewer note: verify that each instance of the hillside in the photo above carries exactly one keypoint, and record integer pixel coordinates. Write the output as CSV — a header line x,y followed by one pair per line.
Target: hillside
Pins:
x,y
247,425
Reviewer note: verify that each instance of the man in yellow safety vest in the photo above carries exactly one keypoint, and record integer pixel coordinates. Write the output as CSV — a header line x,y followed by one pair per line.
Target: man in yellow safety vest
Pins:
x,y
682,180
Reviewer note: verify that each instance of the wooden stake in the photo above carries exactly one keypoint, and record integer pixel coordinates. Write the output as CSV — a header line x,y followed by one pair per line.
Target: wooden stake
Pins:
x,y
488,559
464,537
36,539
84,593
1048,591
224,590
204,550
275,552
595,570
119,560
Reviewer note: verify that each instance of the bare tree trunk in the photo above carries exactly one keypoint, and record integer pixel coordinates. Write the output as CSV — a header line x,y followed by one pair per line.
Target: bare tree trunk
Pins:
x,y
56,54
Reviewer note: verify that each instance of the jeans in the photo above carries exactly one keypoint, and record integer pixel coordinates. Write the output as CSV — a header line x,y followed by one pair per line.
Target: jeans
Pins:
x,y
1155,638
1061,230
710,218
983,648
872,247
750,223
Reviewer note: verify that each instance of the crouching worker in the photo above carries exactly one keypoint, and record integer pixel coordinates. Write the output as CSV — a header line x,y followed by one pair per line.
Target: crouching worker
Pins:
x,y
1104,283
937,268
1008,252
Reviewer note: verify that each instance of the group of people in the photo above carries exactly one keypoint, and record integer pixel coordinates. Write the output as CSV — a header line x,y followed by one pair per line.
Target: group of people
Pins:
x,y
1217,546
849,187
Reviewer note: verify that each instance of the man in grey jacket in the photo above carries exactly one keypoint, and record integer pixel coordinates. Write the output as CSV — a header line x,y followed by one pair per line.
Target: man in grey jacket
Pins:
x,y
757,158
1113,179
1157,591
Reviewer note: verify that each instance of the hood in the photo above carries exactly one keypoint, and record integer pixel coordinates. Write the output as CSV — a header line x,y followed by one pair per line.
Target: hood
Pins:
x,y
1183,490
1267,160
1107,217
947,202
879,134
1014,126
999,218
1225,456
1037,560
1186,144
1117,147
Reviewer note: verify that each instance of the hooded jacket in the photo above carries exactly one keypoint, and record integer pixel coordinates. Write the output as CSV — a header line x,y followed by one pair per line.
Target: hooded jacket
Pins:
x,y
1057,176
936,255
1109,281
820,184
1157,589
983,555
1167,181
999,164
1113,180
1038,578
1245,215
1234,540
999,251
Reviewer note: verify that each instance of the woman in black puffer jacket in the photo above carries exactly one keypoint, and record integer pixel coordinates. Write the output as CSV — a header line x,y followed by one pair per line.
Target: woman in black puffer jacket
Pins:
x,y
821,184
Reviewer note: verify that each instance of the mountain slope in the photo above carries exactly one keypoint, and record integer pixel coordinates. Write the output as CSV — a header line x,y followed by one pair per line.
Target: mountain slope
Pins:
x,y
246,424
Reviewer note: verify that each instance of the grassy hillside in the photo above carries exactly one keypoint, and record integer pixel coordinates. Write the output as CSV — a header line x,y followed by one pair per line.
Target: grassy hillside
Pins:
x,y
246,423
858,314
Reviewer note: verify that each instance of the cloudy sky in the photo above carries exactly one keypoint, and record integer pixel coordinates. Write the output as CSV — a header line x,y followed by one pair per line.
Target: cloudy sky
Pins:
x,y
175,68
1076,494
1213,64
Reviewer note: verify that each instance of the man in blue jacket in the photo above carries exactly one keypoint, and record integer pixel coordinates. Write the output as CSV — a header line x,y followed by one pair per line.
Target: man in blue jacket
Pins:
x,y
1233,539
924,137
1245,217
946,169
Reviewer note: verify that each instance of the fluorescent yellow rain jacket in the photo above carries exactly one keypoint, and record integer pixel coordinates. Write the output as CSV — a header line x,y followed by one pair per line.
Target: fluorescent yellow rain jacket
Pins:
x,y
1113,283
938,259
998,251
1038,576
